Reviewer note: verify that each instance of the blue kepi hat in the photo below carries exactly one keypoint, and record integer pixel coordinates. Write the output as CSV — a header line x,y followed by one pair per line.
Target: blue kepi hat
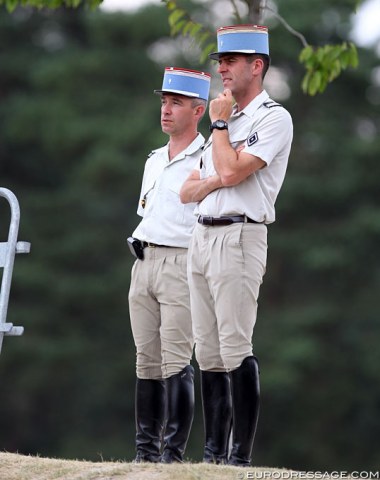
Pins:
x,y
246,39
190,83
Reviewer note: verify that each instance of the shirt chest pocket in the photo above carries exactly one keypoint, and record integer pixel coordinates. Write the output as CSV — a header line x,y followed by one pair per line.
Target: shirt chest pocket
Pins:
x,y
175,186
239,137
180,213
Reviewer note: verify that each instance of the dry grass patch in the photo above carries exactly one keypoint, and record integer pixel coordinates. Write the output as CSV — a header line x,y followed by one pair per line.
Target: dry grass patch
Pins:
x,y
21,467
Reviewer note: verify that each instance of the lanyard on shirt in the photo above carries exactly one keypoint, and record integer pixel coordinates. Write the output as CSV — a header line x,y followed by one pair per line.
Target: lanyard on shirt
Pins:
x,y
143,200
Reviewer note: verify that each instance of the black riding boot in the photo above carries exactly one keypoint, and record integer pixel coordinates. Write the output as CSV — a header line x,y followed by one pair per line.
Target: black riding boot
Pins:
x,y
245,386
149,412
217,415
180,414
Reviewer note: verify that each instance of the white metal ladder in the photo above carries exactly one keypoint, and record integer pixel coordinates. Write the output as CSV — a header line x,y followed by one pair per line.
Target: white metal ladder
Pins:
x,y
7,256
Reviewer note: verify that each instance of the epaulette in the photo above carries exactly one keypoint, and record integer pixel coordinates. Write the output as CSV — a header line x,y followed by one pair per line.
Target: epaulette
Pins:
x,y
151,153
271,104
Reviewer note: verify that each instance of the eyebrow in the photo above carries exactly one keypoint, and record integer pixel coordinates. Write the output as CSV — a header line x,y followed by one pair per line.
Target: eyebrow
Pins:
x,y
226,58
174,99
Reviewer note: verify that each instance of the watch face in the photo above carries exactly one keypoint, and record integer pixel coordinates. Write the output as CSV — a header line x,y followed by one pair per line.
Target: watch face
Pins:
x,y
219,125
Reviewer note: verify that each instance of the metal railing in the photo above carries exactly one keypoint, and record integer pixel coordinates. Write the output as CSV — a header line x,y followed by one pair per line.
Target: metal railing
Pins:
x,y
8,251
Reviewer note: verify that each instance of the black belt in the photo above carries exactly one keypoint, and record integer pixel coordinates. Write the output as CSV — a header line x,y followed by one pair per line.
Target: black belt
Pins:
x,y
152,245
215,221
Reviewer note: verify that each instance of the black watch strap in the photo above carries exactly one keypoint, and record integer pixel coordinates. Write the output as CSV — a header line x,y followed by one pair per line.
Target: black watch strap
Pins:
x,y
219,125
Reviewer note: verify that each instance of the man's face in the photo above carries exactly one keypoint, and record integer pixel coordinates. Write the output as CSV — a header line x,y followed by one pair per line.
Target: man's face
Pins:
x,y
235,72
177,113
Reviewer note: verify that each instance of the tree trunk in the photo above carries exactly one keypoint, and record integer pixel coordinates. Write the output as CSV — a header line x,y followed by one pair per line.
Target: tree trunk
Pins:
x,y
255,11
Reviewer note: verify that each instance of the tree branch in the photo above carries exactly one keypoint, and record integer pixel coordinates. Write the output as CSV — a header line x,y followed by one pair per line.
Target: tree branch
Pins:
x,y
236,12
288,27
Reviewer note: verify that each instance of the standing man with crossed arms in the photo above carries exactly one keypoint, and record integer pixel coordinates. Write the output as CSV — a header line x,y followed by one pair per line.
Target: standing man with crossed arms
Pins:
x,y
159,303
240,174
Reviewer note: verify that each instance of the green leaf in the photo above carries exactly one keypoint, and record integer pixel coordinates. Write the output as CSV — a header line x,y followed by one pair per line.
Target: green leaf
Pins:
x,y
178,27
195,29
306,54
211,47
332,54
175,16
335,71
203,38
170,5
11,5
305,82
315,83
354,59
187,28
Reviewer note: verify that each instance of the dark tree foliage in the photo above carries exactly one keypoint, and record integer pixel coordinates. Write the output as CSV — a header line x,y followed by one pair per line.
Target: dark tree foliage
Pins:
x,y
78,118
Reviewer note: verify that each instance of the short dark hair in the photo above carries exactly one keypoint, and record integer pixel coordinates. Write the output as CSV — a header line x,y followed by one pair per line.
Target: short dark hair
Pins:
x,y
198,101
265,58
195,102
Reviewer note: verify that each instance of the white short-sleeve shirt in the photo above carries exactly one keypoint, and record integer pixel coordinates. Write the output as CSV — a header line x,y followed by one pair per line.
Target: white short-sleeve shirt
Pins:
x,y
265,129
167,221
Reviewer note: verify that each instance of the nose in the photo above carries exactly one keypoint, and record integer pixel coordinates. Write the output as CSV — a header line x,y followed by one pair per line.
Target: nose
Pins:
x,y
165,108
221,67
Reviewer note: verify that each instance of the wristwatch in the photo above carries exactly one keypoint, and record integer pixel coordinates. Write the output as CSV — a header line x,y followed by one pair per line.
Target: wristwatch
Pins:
x,y
219,125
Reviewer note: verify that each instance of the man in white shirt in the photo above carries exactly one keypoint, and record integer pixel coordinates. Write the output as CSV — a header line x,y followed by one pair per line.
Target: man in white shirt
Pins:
x,y
159,303
236,185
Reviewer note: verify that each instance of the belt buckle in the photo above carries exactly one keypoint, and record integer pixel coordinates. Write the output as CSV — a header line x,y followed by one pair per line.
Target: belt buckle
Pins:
x,y
206,220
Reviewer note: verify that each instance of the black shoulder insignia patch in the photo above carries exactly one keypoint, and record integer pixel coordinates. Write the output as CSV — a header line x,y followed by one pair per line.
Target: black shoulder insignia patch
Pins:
x,y
271,104
252,139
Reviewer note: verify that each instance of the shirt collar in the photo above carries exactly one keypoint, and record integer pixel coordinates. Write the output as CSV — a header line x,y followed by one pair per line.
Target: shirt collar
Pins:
x,y
251,108
190,149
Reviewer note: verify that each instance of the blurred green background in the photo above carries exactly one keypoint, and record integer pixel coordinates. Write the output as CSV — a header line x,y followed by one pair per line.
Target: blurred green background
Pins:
x,y
78,118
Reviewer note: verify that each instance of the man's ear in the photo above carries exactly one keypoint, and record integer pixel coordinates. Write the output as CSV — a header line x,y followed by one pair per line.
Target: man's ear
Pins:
x,y
199,111
258,66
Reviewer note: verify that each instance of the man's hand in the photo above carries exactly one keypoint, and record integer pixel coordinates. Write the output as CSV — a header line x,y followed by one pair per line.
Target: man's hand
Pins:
x,y
196,189
221,106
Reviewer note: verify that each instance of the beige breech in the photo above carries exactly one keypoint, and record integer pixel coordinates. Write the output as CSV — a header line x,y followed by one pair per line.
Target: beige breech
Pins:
x,y
159,308
225,269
